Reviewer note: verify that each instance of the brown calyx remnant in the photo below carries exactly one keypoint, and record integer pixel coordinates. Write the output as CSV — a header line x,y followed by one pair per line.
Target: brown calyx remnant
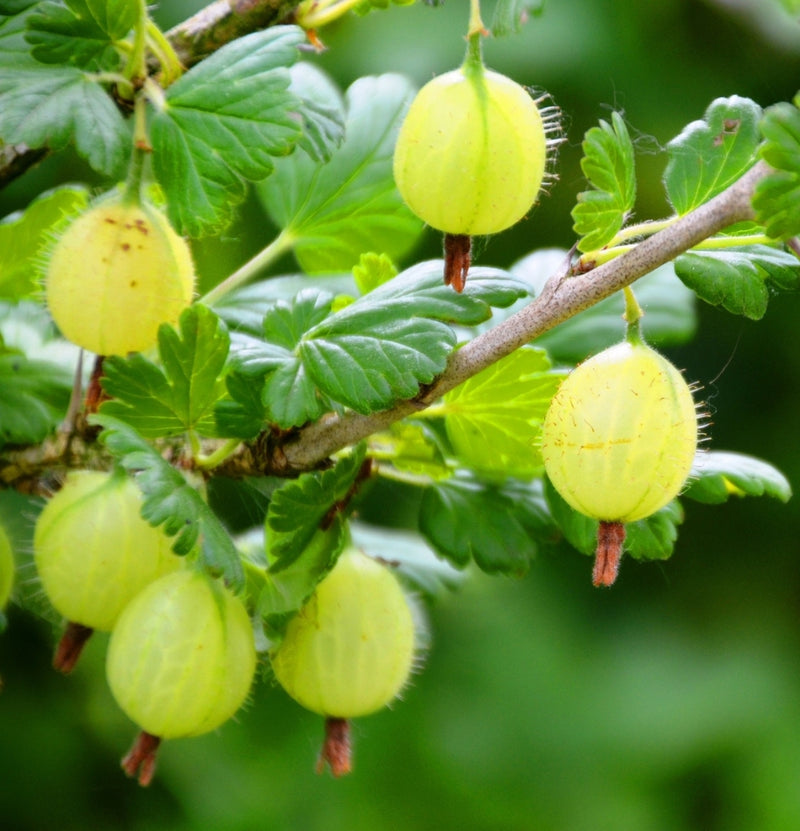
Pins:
x,y
610,538
457,260
70,646
337,751
141,758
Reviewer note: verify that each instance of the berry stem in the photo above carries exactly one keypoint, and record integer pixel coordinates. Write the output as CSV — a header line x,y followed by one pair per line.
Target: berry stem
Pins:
x,y
610,538
476,28
337,751
141,758
70,646
633,317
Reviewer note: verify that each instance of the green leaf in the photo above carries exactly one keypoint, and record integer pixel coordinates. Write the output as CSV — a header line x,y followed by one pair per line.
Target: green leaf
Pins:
x,y
80,32
464,520
709,155
777,197
34,399
652,538
14,47
52,106
608,165
385,345
322,112
297,511
373,270
243,415
738,278
410,556
371,353
669,308
289,396
336,212
409,447
509,15
493,420
286,591
718,475
170,500
222,122
180,397
25,237
243,310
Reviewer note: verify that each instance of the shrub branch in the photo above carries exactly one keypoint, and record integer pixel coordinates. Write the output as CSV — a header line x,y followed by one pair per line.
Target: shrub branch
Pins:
x,y
563,296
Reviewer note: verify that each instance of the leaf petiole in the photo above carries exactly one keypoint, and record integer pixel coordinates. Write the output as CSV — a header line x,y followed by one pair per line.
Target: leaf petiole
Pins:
x,y
218,456
612,251
158,44
136,66
279,246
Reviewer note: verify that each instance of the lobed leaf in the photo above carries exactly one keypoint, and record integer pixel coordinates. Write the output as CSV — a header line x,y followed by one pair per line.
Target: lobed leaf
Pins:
x,y
243,310
350,205
51,106
15,50
718,475
35,397
739,279
608,165
777,197
411,557
322,114
224,121
297,510
409,446
286,591
80,33
170,501
25,237
652,538
465,520
375,351
180,396
493,420
709,155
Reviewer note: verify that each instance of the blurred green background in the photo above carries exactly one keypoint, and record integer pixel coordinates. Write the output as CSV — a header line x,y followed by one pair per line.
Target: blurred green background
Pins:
x,y
670,702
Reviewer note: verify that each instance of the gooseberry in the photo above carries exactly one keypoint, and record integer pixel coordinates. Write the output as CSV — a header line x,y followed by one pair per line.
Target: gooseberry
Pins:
x,y
470,158
619,439
471,153
118,272
94,552
350,650
181,660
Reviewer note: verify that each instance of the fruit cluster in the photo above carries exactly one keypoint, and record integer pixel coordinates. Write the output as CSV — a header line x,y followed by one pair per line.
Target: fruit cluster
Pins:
x,y
181,657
